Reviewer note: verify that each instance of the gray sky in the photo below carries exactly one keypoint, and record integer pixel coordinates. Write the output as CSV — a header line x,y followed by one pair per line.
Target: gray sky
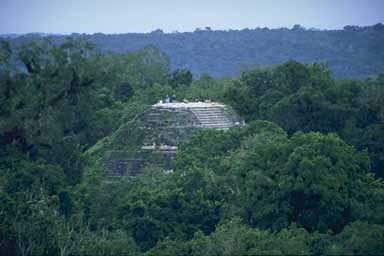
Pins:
x,y
121,16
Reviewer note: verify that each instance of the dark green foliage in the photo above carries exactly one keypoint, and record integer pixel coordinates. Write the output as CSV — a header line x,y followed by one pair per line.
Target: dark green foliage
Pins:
x,y
180,77
304,98
62,101
301,178
272,181
310,179
359,238
234,238
123,91
311,172
107,243
209,148
173,206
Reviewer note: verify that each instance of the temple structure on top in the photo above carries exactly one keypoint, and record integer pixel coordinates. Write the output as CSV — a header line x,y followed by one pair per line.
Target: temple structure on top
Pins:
x,y
204,114
152,139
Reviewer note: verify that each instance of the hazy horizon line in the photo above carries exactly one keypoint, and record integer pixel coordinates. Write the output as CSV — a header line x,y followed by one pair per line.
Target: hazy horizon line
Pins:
x,y
197,29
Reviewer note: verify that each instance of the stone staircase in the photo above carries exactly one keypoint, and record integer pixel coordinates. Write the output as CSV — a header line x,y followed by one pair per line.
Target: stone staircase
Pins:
x,y
212,117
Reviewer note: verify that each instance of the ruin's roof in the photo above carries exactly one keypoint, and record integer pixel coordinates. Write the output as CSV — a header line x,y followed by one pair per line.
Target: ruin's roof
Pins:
x,y
188,105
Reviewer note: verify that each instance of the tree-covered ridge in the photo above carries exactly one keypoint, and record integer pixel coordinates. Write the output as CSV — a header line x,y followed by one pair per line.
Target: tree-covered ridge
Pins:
x,y
303,177
305,98
353,52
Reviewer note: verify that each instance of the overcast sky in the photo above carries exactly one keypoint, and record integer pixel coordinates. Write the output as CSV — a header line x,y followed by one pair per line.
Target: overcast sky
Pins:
x,y
122,16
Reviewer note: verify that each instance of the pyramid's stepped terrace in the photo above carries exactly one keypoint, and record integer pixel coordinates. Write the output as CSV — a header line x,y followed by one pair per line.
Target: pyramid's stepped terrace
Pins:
x,y
152,139
212,117
208,114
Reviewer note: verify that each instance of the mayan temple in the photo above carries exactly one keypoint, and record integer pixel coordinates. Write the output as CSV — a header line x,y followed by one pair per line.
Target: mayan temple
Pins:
x,y
152,138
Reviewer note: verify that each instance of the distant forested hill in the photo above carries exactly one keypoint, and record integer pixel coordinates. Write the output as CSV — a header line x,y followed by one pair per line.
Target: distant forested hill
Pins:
x,y
354,52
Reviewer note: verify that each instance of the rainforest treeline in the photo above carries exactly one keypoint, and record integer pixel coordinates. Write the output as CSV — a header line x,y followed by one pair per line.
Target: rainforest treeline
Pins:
x,y
303,177
352,52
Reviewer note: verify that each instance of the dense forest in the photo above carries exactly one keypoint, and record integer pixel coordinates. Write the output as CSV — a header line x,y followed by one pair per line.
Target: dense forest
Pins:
x,y
353,52
303,177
